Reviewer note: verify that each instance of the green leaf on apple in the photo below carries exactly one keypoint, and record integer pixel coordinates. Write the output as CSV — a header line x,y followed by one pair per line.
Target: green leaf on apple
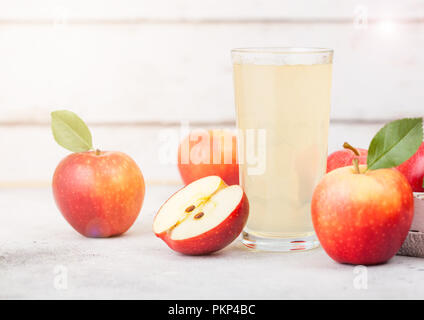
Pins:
x,y
395,143
70,131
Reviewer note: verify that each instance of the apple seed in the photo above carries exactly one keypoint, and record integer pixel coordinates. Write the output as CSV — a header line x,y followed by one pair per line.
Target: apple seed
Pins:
x,y
199,215
190,208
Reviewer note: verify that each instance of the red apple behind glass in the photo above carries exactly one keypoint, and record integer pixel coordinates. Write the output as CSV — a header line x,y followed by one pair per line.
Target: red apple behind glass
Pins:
x,y
100,193
343,158
413,169
208,152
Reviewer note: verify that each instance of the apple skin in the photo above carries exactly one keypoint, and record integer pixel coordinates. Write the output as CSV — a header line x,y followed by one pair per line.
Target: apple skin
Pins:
x,y
190,172
99,195
344,158
413,170
215,239
362,218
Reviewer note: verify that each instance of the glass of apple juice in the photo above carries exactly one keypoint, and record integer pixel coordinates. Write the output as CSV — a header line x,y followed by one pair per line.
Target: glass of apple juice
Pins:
x,y
282,98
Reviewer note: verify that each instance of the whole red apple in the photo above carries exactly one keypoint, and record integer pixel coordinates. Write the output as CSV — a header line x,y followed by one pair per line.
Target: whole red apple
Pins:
x,y
343,158
100,194
203,217
413,169
362,218
208,152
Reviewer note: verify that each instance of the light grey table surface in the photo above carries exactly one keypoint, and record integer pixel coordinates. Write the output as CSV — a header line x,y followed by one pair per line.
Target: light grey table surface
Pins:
x,y
42,257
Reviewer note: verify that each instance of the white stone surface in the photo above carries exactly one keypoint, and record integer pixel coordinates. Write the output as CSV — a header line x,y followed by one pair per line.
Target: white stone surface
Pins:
x,y
35,239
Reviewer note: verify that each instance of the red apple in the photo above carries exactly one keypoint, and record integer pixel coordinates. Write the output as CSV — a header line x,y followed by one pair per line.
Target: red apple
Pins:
x,y
413,170
100,194
343,158
203,217
204,153
362,218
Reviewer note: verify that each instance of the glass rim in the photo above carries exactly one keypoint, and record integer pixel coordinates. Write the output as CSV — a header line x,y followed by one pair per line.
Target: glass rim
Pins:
x,y
282,50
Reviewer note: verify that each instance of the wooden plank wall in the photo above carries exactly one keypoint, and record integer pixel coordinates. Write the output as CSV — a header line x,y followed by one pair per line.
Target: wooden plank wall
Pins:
x,y
134,69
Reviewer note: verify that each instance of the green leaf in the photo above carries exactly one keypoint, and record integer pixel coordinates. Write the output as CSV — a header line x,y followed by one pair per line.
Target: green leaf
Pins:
x,y
70,131
395,143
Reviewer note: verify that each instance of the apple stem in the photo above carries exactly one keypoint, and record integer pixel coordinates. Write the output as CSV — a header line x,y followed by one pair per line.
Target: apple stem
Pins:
x,y
98,152
348,146
355,163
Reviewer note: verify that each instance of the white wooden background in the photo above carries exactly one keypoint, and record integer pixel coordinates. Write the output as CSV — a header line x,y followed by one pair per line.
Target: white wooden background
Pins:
x,y
134,68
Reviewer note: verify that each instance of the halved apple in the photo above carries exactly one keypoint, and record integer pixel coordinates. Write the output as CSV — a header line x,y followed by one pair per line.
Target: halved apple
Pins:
x,y
203,217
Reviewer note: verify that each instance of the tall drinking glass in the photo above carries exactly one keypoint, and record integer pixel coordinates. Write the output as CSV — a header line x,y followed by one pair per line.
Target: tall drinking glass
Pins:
x,y
282,98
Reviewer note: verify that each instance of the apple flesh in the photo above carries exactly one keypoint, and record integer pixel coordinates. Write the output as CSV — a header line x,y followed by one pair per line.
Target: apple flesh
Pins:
x,y
344,158
205,153
362,218
203,217
100,194
413,169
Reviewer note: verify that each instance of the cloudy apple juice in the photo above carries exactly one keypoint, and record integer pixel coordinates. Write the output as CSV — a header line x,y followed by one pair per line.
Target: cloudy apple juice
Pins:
x,y
287,99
